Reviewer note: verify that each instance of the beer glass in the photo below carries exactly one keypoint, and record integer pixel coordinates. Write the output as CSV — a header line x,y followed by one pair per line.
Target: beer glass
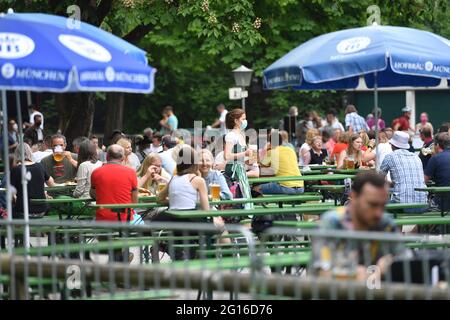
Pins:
x,y
58,154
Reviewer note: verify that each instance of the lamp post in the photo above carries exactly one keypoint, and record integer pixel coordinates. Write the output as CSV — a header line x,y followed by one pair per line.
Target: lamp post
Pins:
x,y
242,77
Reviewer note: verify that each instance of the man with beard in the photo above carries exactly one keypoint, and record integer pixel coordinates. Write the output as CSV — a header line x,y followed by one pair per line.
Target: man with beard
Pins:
x,y
343,258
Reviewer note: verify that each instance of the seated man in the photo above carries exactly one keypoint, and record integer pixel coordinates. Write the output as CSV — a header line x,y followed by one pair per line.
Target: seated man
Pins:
x,y
114,183
65,169
283,161
438,168
406,172
349,259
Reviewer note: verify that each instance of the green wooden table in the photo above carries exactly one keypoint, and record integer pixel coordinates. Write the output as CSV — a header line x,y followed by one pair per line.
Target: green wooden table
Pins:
x,y
398,222
64,206
280,199
351,171
316,177
319,167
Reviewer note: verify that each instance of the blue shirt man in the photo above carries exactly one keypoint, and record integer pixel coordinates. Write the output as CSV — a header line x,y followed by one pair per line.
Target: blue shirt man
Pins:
x,y
169,123
406,171
438,167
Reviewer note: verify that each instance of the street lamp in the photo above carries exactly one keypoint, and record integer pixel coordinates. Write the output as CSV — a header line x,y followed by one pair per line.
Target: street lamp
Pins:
x,y
242,77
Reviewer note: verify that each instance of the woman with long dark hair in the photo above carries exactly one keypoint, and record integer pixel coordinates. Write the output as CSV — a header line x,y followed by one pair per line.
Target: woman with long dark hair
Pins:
x,y
87,163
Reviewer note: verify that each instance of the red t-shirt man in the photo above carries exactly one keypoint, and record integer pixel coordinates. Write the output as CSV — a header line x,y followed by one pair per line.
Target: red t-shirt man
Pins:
x,y
114,184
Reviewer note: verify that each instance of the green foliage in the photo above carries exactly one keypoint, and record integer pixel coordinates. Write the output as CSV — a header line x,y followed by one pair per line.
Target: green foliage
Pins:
x,y
195,44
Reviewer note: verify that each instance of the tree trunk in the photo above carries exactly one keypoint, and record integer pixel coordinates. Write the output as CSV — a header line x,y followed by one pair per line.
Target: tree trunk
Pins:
x,y
114,114
76,114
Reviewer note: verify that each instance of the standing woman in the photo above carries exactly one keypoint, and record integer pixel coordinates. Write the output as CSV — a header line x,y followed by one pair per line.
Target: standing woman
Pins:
x,y
87,163
236,151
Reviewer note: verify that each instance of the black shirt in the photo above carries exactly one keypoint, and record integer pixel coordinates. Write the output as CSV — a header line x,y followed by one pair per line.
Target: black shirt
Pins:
x,y
426,158
35,188
316,158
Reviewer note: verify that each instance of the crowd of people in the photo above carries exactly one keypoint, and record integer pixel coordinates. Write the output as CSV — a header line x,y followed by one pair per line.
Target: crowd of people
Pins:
x,y
181,171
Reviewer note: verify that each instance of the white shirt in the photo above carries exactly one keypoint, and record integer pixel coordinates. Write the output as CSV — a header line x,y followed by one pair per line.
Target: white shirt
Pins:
x,y
168,163
223,128
153,149
39,155
32,118
304,146
383,150
84,173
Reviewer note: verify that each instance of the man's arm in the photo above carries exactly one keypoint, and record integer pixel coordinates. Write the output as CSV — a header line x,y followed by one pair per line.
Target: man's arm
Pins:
x,y
68,154
134,196
92,193
216,124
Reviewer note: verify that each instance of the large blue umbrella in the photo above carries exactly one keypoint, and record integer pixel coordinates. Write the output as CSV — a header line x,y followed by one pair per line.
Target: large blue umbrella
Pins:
x,y
380,56
40,52
399,56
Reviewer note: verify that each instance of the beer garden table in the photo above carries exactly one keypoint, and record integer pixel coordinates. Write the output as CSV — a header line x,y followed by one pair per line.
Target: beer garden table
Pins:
x,y
280,199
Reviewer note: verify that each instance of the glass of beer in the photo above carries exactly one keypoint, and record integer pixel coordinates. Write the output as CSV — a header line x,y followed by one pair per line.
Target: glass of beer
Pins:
x,y
160,187
215,191
254,157
350,163
58,154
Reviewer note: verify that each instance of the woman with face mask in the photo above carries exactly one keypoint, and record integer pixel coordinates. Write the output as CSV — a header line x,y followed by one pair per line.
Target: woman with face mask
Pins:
x,y
236,150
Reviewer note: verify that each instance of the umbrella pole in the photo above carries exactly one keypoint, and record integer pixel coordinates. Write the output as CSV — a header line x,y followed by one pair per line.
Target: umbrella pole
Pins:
x,y
23,174
7,172
375,102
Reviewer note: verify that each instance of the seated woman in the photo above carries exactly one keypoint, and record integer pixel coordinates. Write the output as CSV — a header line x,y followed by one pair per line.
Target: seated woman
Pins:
x,y
317,154
283,161
131,160
183,192
151,173
87,163
304,149
353,153
213,176
35,186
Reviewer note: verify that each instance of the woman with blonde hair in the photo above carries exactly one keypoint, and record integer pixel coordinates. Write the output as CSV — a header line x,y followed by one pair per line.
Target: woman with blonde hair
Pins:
x,y
304,149
131,160
151,173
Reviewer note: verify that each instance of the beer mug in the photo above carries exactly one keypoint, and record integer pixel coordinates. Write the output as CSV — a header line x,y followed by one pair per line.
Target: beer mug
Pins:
x,y
215,191
254,157
350,163
58,154
160,187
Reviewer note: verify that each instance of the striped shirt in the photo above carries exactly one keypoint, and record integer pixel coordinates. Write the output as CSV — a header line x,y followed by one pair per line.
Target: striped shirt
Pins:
x,y
407,174
356,122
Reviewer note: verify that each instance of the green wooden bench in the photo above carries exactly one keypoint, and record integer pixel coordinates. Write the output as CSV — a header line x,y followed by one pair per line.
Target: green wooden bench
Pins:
x,y
318,177
297,259
302,209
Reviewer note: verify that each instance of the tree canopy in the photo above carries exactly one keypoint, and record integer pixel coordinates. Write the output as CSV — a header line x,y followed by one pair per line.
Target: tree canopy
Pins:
x,y
195,44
